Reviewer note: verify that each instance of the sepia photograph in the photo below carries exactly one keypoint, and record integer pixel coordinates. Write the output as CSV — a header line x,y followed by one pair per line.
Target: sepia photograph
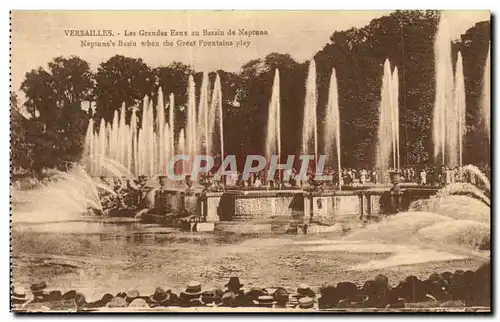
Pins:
x,y
250,161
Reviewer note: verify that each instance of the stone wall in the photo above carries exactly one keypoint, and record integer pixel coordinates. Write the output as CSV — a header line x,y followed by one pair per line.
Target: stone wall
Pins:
x,y
174,200
191,203
332,206
374,204
266,207
210,207
340,206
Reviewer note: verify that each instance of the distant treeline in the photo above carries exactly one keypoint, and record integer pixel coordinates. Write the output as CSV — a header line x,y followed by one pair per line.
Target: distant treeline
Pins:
x,y
53,136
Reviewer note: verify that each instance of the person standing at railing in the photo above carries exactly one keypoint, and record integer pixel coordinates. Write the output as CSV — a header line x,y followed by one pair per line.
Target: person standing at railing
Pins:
x,y
412,174
374,177
423,177
362,176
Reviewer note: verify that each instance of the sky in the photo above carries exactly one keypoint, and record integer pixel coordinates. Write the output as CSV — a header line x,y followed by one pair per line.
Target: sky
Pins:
x,y
37,37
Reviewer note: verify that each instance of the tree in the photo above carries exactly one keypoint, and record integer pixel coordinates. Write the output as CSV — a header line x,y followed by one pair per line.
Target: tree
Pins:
x,y
20,146
174,79
57,93
121,80
53,100
40,97
14,100
72,80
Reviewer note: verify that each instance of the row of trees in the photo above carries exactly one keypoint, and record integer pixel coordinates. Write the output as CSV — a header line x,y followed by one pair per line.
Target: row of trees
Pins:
x,y
57,124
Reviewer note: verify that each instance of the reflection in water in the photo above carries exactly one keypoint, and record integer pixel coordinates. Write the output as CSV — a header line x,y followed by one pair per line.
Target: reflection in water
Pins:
x,y
89,227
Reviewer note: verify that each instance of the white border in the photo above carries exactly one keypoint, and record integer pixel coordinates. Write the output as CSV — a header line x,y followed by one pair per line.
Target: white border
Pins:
x,y
213,4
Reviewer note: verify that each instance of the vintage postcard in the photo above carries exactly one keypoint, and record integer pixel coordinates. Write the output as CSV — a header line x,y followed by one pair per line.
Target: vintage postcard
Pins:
x,y
250,161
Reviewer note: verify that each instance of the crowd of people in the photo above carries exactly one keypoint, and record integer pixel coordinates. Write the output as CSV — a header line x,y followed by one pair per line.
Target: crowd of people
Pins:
x,y
429,176
441,176
461,288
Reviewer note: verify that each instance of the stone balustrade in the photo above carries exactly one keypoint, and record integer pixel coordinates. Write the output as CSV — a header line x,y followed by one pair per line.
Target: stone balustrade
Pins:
x,y
294,205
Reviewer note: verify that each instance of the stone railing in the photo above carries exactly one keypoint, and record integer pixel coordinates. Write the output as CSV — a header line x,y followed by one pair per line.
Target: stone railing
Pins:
x,y
258,205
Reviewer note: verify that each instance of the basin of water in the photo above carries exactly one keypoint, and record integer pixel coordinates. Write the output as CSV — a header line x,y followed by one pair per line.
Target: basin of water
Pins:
x,y
89,226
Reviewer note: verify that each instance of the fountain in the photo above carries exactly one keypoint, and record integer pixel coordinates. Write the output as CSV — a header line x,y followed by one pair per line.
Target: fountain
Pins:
x,y
67,196
171,107
309,126
444,87
101,142
160,134
449,106
146,150
332,125
203,117
216,117
459,105
132,136
191,144
181,148
388,131
273,138
485,99
89,146
395,119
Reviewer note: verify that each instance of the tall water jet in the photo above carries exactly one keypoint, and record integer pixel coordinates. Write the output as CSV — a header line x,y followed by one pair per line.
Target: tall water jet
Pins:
x,y
122,136
459,107
332,125
140,148
203,124
141,139
215,119
114,136
309,127
443,118
388,131
191,120
109,143
181,148
93,157
89,146
273,138
134,149
160,124
166,139
485,99
101,147
171,108
151,144
395,123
